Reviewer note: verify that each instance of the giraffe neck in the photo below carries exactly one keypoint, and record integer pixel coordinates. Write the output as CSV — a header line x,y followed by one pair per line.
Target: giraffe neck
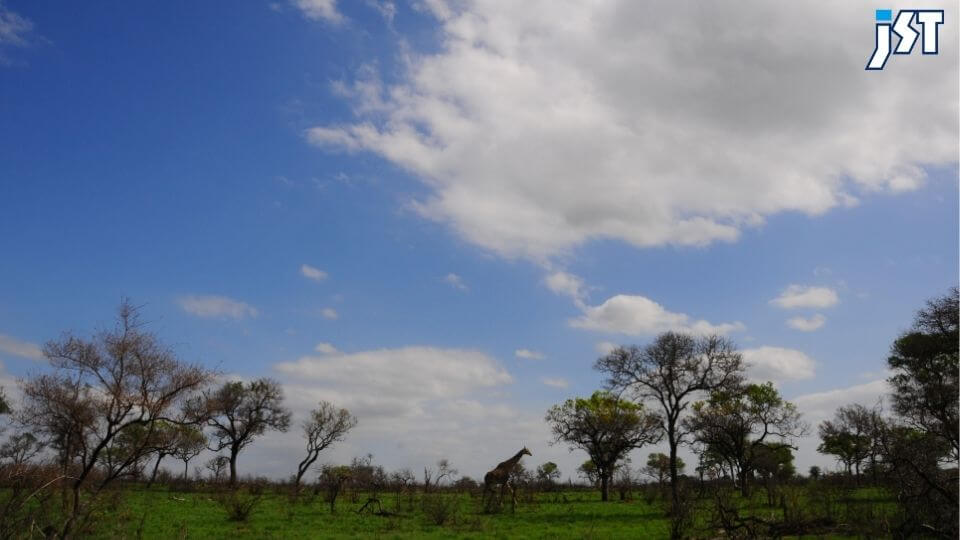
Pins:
x,y
516,458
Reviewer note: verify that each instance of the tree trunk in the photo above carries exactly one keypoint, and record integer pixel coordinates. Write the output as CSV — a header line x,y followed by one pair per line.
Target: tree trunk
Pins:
x,y
604,487
186,469
745,483
674,488
156,467
233,466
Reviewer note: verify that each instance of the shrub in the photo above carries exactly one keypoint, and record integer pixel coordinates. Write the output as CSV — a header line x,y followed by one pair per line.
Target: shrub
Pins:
x,y
239,503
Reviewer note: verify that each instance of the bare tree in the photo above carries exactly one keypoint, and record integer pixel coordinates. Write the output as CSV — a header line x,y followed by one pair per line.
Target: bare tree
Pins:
x,y
326,425
671,372
239,413
605,427
100,391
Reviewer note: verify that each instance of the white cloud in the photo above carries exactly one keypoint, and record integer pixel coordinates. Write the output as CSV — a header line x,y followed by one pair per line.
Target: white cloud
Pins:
x,y
326,348
398,381
529,354
778,364
16,347
455,281
320,10
313,273
637,315
541,125
329,314
555,382
209,306
801,296
567,284
14,29
807,324
820,406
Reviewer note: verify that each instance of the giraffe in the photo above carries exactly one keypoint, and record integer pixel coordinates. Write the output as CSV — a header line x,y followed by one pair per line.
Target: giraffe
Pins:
x,y
501,475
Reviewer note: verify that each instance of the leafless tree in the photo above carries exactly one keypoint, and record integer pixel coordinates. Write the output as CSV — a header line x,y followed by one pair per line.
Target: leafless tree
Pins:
x,y
326,425
239,413
671,372
99,392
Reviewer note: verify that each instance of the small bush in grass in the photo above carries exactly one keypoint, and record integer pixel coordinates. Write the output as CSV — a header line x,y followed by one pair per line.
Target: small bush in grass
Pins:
x,y
241,502
439,508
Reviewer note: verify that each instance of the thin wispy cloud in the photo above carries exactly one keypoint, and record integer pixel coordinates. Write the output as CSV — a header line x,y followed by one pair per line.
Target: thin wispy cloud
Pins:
x,y
555,382
24,349
330,314
455,281
320,10
222,307
778,364
529,354
311,272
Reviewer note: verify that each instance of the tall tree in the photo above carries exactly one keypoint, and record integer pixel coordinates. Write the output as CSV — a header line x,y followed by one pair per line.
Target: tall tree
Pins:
x,y
849,436
926,363
606,427
239,413
326,425
658,467
741,423
101,390
671,372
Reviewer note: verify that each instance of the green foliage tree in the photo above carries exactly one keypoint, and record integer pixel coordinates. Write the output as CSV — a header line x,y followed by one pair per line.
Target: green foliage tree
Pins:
x,y
548,473
239,413
737,423
190,443
850,436
926,363
604,426
658,467
671,372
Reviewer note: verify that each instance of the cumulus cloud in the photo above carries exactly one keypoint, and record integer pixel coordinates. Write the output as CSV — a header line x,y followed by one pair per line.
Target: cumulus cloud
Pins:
x,y
821,406
325,10
330,314
540,125
778,364
555,382
455,281
807,324
313,273
397,382
801,296
23,349
529,354
637,315
208,306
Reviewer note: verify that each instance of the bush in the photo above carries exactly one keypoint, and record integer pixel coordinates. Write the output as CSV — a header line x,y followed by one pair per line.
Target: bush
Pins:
x,y
439,508
241,502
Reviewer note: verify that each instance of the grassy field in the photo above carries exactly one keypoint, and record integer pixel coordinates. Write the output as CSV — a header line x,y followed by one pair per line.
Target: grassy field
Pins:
x,y
165,514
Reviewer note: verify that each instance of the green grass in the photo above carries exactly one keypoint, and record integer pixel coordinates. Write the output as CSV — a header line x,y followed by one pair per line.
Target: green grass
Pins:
x,y
159,513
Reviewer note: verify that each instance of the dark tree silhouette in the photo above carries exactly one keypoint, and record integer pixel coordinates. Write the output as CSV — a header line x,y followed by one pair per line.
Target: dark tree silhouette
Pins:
x,y
671,372
239,413
326,425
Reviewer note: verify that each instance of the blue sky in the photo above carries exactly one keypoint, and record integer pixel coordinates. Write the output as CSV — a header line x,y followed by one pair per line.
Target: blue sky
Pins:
x,y
439,171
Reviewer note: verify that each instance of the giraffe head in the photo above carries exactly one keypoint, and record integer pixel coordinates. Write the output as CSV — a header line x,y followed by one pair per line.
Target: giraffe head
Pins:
x,y
525,451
